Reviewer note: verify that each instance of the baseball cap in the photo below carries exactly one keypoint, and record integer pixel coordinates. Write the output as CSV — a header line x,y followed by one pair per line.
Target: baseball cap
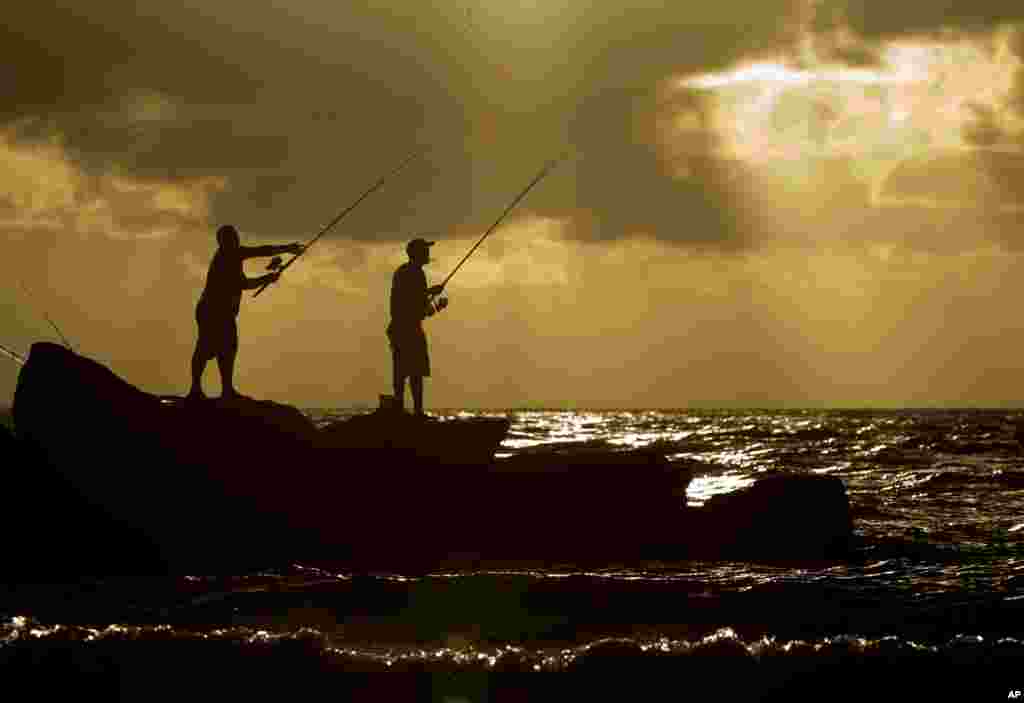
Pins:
x,y
418,243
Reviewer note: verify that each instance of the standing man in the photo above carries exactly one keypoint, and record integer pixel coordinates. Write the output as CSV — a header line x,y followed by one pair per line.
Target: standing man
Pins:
x,y
218,307
410,304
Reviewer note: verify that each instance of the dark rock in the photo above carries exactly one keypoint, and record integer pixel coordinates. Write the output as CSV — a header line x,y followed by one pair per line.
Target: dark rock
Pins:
x,y
611,479
593,503
131,481
194,477
53,529
10,450
780,516
217,485
452,442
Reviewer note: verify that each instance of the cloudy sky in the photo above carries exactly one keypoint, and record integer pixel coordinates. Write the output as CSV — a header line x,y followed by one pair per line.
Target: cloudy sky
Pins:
x,y
768,202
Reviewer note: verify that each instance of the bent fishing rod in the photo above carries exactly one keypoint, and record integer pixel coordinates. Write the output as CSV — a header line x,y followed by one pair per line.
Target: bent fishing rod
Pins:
x,y
13,355
522,194
344,212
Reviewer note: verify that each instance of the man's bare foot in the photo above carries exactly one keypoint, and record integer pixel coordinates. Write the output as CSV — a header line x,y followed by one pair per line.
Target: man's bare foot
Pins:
x,y
234,396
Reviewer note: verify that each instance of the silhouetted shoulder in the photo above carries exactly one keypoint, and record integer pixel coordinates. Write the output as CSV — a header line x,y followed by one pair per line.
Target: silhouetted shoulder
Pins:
x,y
410,275
404,272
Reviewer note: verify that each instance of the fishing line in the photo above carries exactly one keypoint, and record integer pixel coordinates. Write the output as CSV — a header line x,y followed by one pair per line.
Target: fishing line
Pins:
x,y
409,159
47,317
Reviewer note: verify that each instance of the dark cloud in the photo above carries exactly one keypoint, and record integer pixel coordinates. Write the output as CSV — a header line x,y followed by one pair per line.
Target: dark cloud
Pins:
x,y
627,192
272,111
65,57
301,106
878,18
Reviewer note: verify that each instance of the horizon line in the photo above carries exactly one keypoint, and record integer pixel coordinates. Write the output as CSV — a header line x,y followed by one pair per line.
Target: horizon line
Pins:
x,y
643,408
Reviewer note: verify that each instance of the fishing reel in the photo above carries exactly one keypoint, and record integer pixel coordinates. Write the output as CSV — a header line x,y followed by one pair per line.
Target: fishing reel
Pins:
x,y
436,305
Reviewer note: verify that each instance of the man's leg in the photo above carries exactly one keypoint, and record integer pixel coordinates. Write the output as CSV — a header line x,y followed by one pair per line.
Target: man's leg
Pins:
x,y
397,380
416,385
203,353
398,387
226,363
199,358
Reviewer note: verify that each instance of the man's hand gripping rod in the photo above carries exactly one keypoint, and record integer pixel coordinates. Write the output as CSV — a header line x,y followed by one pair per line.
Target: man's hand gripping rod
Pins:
x,y
537,179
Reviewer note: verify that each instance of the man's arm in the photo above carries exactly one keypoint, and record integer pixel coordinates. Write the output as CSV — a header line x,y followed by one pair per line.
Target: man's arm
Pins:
x,y
270,250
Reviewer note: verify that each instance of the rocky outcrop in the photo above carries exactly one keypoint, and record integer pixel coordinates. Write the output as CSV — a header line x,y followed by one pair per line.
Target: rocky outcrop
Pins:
x,y
204,481
594,503
52,531
64,394
215,486
780,516
220,485
8,446
606,504
460,442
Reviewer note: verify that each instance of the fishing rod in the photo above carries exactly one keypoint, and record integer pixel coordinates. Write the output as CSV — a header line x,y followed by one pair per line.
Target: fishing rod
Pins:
x,y
47,317
12,355
350,208
522,194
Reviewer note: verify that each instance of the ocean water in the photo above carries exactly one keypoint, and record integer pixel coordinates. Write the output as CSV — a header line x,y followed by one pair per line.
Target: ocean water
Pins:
x,y
937,580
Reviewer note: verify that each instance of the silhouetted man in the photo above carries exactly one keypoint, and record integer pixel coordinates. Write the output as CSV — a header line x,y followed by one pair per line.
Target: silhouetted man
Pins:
x,y
410,303
218,307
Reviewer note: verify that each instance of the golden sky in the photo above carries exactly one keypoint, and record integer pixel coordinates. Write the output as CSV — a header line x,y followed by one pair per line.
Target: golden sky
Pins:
x,y
769,203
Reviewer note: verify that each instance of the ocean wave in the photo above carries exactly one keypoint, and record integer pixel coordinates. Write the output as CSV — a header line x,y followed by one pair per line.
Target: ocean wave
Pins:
x,y
22,638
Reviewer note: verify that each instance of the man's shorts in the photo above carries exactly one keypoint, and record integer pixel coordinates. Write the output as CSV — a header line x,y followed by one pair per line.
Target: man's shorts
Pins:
x,y
409,351
217,333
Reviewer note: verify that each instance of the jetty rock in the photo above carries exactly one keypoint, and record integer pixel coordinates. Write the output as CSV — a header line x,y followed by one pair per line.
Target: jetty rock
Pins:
x,y
227,485
128,480
590,503
8,447
73,407
51,530
781,515
403,438
187,473
600,503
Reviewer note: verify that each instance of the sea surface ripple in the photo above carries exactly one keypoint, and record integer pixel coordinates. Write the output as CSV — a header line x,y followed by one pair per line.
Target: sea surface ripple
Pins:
x,y
937,498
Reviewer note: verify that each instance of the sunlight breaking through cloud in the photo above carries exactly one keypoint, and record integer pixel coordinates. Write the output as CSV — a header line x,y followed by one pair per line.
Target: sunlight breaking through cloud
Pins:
x,y
923,98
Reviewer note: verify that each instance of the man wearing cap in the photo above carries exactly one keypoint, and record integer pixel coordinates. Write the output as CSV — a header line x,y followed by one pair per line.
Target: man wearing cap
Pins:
x,y
410,303
218,307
